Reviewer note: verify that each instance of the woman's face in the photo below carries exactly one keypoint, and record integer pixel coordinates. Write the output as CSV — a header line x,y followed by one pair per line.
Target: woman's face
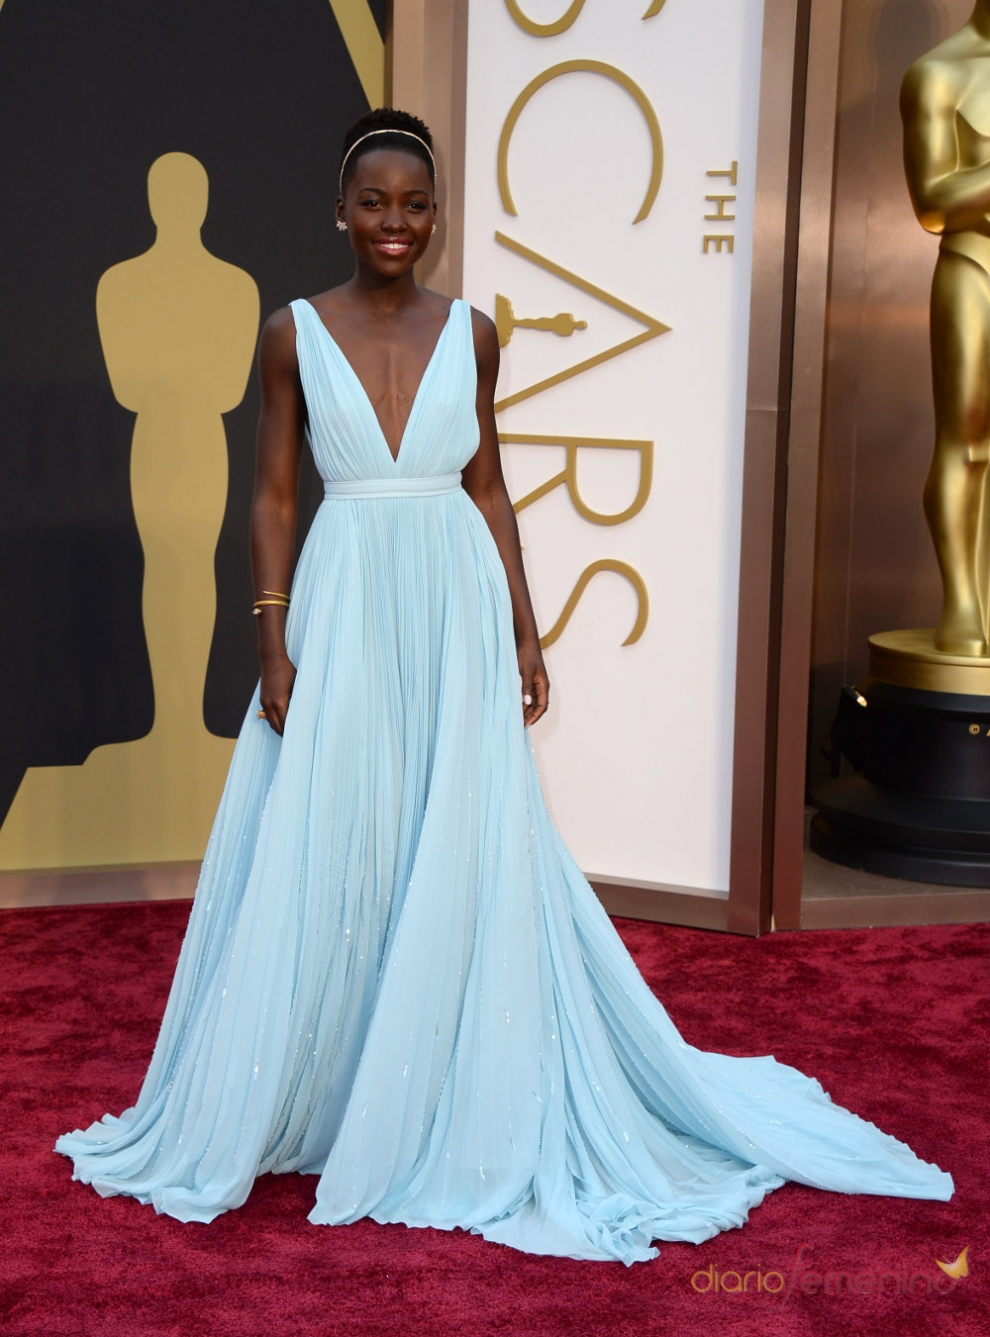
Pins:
x,y
389,210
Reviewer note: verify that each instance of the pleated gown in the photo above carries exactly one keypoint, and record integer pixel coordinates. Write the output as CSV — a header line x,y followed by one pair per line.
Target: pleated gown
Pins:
x,y
394,974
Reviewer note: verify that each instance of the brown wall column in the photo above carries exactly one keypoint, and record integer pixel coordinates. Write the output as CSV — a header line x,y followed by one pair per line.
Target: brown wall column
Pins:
x,y
785,49
811,303
426,74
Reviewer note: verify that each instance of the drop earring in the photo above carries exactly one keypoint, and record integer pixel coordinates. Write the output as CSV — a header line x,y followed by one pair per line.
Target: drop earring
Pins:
x,y
433,229
341,225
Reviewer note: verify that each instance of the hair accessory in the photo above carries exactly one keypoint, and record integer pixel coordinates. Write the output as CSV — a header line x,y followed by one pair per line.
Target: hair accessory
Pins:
x,y
341,225
369,135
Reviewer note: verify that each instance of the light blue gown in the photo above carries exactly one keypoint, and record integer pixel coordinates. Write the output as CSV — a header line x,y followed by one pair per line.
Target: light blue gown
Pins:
x,y
394,974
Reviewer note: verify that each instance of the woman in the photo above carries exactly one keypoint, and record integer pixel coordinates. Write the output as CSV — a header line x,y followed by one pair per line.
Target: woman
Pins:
x,y
394,974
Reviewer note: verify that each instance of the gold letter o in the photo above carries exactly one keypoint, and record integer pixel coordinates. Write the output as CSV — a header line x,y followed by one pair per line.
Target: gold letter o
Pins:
x,y
544,29
564,22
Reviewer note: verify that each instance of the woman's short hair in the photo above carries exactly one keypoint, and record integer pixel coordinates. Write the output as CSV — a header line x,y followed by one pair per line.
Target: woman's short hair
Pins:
x,y
386,128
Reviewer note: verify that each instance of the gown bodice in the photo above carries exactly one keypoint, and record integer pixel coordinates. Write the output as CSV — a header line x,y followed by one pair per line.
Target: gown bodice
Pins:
x,y
348,445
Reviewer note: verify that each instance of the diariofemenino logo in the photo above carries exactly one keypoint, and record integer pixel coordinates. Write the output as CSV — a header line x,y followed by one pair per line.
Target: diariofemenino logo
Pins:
x,y
806,1279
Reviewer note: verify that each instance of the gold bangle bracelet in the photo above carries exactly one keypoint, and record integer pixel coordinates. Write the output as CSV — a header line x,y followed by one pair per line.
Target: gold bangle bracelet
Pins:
x,y
267,603
275,594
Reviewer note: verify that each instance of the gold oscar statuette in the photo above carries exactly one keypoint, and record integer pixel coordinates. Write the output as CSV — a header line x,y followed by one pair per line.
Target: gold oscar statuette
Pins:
x,y
945,106
916,730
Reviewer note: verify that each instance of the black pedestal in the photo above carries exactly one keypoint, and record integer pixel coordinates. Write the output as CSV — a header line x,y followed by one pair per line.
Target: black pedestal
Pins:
x,y
920,808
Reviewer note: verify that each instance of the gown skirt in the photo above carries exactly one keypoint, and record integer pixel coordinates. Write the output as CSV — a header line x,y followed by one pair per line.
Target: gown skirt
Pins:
x,y
394,975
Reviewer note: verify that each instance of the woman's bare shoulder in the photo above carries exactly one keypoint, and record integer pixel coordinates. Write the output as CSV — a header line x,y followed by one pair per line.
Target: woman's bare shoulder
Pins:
x,y
486,345
277,345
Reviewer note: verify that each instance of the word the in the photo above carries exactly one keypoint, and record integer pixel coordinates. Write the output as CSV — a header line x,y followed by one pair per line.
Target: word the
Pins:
x,y
721,214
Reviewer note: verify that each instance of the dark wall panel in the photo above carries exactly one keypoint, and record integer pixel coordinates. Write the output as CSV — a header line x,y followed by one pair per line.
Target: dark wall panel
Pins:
x,y
90,95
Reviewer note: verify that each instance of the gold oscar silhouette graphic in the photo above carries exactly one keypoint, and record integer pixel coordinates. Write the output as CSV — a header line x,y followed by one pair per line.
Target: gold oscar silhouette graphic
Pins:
x,y
178,329
506,321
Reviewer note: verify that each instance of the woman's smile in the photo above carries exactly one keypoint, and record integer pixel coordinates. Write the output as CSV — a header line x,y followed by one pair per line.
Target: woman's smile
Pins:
x,y
393,245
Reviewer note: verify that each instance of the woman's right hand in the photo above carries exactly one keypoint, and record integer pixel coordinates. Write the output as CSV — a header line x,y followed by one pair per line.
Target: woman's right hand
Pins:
x,y
277,679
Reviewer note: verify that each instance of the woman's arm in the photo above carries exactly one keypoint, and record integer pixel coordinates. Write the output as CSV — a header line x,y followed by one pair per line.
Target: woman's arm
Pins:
x,y
484,484
273,509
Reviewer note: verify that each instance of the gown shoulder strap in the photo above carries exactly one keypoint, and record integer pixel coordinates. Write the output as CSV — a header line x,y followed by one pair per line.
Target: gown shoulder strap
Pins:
x,y
306,320
301,312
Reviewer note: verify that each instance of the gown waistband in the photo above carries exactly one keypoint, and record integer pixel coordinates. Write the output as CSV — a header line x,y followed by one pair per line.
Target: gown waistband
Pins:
x,y
392,487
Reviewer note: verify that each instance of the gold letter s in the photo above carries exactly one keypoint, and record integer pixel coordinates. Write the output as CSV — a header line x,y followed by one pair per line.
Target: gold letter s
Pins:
x,y
584,580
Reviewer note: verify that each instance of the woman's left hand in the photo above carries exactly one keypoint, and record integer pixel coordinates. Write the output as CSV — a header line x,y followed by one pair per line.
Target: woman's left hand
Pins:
x,y
534,681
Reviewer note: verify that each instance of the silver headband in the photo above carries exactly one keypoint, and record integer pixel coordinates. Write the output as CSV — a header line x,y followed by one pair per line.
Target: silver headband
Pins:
x,y
418,140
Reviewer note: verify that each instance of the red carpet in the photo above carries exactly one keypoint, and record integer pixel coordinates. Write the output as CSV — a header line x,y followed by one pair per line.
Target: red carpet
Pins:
x,y
894,1022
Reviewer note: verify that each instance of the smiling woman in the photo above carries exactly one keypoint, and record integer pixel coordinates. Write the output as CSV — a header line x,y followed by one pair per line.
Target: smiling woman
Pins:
x,y
395,975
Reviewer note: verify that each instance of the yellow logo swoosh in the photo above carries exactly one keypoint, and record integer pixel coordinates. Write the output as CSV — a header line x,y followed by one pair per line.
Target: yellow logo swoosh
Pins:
x,y
960,1268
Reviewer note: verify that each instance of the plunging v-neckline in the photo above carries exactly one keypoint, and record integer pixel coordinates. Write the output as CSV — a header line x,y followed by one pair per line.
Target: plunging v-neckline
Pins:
x,y
360,384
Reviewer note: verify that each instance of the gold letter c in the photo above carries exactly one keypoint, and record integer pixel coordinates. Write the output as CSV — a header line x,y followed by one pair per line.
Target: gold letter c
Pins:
x,y
588,67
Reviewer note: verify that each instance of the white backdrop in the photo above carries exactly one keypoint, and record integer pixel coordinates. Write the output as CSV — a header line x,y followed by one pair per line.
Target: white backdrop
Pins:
x,y
636,752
